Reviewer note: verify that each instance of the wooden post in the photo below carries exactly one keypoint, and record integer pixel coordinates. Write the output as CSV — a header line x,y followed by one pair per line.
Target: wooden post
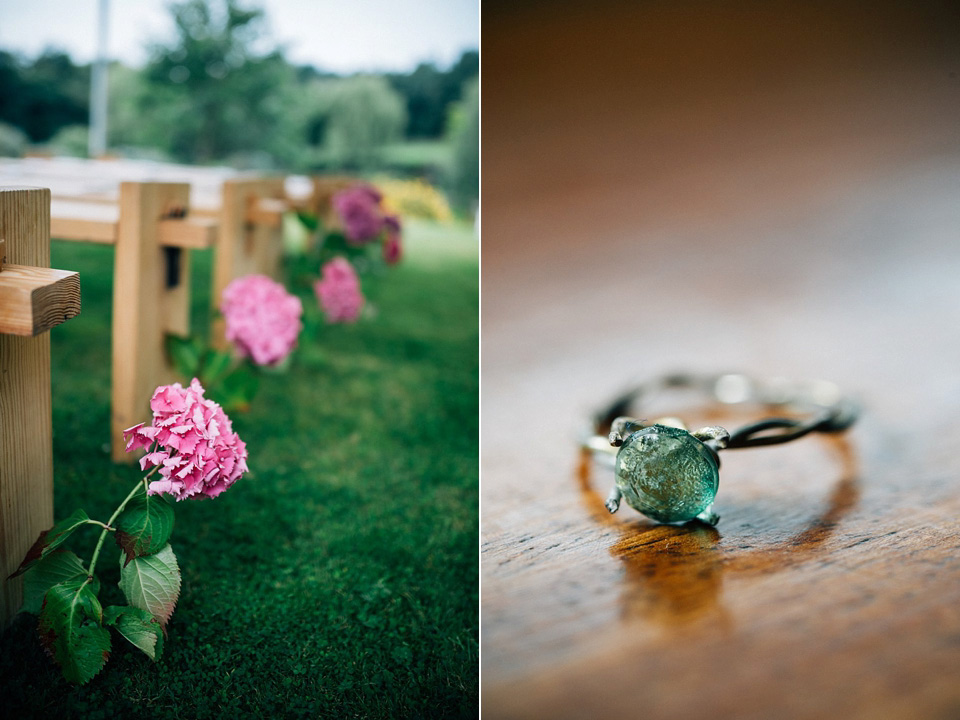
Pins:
x,y
250,238
150,298
26,426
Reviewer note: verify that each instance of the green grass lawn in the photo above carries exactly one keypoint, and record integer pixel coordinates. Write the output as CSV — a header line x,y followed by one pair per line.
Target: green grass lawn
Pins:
x,y
340,577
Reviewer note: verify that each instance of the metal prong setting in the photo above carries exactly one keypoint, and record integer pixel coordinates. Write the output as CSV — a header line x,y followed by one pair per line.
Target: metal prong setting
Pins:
x,y
621,426
613,499
709,517
714,435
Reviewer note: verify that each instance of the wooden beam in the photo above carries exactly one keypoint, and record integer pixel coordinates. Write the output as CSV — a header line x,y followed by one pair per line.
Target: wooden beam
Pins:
x,y
82,230
26,426
33,299
189,232
266,211
83,221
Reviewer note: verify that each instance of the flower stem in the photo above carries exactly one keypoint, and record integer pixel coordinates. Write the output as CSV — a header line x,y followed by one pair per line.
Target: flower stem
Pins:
x,y
108,527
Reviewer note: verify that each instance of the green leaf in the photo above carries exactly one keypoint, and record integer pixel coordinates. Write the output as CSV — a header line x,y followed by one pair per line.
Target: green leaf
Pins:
x,y
71,630
144,526
309,220
152,583
216,365
57,567
186,354
336,242
238,389
138,626
50,539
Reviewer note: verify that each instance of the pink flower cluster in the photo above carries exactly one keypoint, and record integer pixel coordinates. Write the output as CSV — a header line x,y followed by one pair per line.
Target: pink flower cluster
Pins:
x,y
361,213
191,440
338,291
263,319
359,210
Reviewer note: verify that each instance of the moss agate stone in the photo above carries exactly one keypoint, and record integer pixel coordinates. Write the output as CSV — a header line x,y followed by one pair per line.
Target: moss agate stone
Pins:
x,y
666,474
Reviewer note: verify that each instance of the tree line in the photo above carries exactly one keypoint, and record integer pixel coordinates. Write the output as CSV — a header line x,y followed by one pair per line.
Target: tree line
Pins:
x,y
210,97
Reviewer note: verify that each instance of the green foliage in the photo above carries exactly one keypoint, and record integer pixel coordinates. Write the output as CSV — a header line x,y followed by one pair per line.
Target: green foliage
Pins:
x,y
186,354
210,95
13,141
152,583
64,593
57,567
465,170
138,626
71,629
144,527
43,96
217,364
218,92
428,93
231,383
51,539
70,141
237,390
358,116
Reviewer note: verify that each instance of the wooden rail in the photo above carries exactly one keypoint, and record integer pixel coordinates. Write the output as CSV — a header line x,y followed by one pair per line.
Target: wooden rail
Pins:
x,y
34,299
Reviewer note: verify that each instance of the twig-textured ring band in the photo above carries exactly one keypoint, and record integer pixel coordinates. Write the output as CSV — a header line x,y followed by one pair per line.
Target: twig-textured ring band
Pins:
x,y
672,475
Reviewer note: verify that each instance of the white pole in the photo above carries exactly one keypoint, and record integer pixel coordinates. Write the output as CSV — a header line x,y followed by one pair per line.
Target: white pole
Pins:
x,y
97,138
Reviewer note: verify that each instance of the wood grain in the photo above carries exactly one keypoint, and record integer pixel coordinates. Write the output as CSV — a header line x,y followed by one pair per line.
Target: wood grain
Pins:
x,y
26,432
722,187
33,300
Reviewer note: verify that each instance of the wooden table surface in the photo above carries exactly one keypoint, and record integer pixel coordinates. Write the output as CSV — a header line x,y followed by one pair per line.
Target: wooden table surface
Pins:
x,y
771,188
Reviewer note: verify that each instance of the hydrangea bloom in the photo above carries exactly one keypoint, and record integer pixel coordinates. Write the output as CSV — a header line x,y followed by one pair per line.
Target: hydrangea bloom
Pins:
x,y
338,291
392,250
263,319
359,210
192,442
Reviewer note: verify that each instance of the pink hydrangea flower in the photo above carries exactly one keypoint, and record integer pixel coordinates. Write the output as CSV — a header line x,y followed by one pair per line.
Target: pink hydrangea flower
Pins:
x,y
360,213
392,249
191,441
263,319
338,291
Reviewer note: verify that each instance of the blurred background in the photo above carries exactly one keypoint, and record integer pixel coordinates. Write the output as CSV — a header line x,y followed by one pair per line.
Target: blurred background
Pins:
x,y
763,187
304,87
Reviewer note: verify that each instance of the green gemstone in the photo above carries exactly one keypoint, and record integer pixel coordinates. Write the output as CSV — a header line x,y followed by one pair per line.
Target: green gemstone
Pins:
x,y
667,474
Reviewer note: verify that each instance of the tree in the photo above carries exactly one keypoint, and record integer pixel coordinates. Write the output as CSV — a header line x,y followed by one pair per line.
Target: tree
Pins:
x,y
428,93
353,118
465,172
43,96
210,95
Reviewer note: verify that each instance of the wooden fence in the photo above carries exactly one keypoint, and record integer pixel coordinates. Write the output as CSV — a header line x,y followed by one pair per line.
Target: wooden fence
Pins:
x,y
33,299
153,227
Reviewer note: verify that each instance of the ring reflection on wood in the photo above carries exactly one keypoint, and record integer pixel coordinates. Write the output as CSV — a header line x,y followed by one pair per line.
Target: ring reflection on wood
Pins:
x,y
674,573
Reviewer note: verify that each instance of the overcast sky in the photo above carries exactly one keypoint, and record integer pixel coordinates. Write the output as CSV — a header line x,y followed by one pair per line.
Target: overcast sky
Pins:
x,y
338,35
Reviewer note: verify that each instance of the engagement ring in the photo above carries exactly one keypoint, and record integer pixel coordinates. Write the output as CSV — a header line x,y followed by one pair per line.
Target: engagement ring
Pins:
x,y
671,475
